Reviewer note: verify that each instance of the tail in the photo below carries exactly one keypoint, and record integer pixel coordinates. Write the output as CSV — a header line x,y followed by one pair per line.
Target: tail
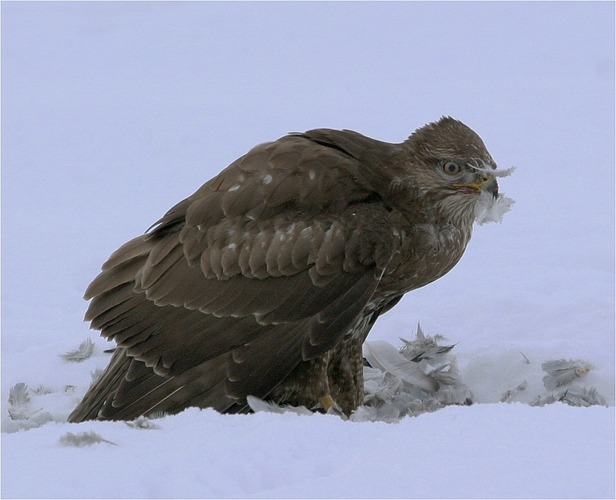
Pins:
x,y
102,389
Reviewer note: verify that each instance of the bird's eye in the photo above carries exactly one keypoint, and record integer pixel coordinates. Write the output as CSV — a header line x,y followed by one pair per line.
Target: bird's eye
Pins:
x,y
451,168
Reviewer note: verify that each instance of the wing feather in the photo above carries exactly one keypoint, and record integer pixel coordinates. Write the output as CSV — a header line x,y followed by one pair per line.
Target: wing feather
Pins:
x,y
268,264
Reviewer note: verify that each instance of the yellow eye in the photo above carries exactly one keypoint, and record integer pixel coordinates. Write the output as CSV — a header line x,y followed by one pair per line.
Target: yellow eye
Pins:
x,y
451,168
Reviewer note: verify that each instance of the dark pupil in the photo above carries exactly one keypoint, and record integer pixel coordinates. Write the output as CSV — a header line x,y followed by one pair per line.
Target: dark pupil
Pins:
x,y
451,168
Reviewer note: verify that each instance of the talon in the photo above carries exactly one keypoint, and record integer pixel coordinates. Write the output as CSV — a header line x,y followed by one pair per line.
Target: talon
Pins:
x,y
331,407
327,402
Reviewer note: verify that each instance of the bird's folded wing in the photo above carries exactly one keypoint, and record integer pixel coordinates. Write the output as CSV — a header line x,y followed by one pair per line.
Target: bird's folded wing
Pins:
x,y
269,263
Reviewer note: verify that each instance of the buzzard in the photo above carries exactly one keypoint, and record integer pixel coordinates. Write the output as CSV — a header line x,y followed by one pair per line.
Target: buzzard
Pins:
x,y
267,280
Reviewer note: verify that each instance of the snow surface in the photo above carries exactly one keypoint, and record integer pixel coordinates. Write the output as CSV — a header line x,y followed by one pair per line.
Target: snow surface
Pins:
x,y
113,112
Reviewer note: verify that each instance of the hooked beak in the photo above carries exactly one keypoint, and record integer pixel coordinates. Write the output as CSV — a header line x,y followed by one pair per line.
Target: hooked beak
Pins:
x,y
491,186
487,183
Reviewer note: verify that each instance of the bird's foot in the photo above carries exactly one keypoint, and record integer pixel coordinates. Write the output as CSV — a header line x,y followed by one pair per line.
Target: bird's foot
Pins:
x,y
329,405
327,402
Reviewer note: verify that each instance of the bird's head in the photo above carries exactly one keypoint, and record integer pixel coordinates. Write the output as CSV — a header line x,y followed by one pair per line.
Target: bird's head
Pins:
x,y
452,166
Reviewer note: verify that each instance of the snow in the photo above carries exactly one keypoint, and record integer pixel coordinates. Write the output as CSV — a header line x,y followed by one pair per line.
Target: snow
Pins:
x,y
552,452
113,112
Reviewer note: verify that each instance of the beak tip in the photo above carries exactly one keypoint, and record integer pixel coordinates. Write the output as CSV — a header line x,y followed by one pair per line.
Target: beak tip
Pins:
x,y
492,188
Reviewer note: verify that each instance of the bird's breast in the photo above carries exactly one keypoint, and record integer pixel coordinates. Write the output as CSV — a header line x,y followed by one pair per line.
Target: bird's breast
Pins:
x,y
427,252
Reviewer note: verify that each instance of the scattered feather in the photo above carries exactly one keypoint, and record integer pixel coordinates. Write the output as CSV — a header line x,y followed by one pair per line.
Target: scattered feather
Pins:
x,y
386,413
41,390
503,172
508,396
82,439
561,372
388,397
143,423
18,395
16,413
573,396
436,360
259,405
384,356
424,347
31,421
526,360
19,403
500,172
83,352
155,415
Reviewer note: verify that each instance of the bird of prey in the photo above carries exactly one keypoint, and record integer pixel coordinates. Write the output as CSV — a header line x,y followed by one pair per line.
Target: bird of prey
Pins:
x,y
266,281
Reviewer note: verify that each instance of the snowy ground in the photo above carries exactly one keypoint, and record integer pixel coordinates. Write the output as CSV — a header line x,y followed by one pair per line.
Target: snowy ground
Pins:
x,y
111,113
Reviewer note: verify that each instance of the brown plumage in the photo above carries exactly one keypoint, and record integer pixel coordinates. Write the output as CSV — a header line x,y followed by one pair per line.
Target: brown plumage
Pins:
x,y
267,280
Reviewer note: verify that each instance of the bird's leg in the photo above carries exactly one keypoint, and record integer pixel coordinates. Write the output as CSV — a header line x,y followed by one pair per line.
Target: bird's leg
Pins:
x,y
307,385
345,377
